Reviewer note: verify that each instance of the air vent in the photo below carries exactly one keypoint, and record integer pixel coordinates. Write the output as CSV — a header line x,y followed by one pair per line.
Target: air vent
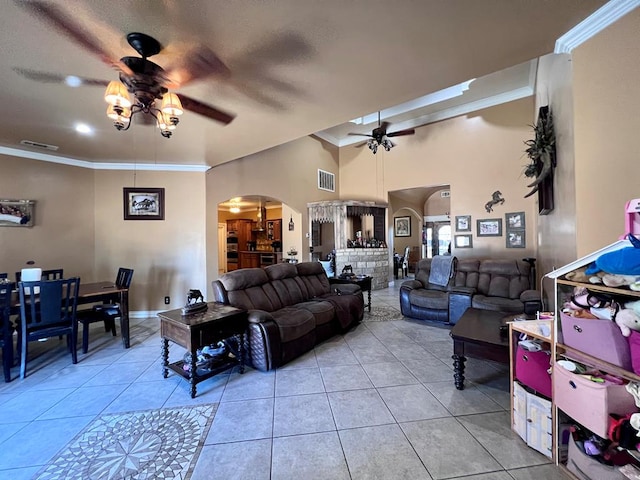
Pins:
x,y
326,181
445,193
43,146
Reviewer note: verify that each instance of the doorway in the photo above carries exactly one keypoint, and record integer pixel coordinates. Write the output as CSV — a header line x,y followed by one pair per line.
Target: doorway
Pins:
x,y
436,239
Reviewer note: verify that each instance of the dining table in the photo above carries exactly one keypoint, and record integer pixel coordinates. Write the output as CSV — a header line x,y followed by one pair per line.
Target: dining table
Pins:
x,y
95,292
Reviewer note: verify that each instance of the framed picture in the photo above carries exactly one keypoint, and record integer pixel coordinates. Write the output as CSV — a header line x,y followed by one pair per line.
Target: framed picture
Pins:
x,y
16,213
463,241
463,223
490,227
143,203
514,221
402,226
516,239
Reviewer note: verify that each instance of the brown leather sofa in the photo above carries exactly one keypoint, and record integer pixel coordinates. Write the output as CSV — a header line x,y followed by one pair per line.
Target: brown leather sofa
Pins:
x,y
292,307
490,284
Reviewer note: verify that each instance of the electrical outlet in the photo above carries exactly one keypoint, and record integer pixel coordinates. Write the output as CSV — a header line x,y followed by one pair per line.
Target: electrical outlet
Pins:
x,y
167,300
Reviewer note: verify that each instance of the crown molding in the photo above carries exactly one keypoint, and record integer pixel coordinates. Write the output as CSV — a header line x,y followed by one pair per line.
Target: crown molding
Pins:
x,y
45,157
594,23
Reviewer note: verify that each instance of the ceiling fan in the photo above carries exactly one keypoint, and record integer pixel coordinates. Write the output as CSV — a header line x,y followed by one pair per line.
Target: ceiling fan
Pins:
x,y
380,138
144,80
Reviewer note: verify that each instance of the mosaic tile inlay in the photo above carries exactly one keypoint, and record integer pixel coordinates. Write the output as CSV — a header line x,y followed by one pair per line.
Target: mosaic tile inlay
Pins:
x,y
145,445
382,314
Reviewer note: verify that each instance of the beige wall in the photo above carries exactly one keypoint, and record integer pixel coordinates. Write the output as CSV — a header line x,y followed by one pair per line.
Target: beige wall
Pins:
x,y
287,173
557,230
63,234
168,256
475,154
606,104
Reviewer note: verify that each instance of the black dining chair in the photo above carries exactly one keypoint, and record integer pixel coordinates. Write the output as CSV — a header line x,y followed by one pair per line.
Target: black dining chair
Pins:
x,y
54,274
4,275
104,312
6,342
47,309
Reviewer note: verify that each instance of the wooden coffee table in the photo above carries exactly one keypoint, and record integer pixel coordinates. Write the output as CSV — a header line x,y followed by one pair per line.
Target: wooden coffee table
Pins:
x,y
477,334
196,330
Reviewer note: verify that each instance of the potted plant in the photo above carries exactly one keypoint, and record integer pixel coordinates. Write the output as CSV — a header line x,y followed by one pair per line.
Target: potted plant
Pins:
x,y
541,150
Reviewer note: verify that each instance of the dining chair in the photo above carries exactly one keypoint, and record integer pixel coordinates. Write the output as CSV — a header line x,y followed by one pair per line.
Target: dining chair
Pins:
x,y
55,274
6,342
49,313
104,312
4,275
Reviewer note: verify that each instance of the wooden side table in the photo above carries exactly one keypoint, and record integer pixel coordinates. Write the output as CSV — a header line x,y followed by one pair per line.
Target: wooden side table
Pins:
x,y
363,281
196,330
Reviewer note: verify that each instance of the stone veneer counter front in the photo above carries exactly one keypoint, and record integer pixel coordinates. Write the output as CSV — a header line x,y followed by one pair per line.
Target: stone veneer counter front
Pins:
x,y
366,261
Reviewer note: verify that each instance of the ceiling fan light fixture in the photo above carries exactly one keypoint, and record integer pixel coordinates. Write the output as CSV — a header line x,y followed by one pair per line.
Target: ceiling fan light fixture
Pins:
x,y
165,124
171,105
116,95
120,116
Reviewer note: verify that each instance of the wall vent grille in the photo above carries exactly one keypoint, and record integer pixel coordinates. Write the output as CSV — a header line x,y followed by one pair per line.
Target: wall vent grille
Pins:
x,y
326,181
445,194
43,146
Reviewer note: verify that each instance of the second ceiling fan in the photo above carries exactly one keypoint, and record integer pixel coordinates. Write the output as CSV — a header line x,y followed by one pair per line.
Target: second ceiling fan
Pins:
x,y
380,138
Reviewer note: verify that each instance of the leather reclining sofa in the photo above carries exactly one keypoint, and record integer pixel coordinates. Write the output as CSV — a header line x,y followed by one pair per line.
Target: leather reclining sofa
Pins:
x,y
292,307
492,284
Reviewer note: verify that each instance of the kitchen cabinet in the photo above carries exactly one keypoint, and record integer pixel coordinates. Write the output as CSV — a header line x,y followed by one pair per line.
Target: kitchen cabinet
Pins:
x,y
274,230
249,260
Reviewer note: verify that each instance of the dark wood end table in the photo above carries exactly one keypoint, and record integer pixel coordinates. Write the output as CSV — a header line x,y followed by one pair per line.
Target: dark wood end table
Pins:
x,y
363,281
196,330
477,334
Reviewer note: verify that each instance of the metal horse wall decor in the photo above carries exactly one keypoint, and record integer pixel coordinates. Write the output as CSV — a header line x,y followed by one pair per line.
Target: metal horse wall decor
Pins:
x,y
496,197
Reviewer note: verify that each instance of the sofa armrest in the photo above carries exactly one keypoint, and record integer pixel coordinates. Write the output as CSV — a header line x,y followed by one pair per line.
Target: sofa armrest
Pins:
x,y
259,316
411,284
531,301
463,290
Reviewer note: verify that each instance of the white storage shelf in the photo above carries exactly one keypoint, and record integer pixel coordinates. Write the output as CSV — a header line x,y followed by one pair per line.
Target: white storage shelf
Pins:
x,y
595,401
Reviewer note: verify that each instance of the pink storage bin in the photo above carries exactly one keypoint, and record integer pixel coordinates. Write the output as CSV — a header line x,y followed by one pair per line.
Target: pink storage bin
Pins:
x,y
590,403
599,338
532,370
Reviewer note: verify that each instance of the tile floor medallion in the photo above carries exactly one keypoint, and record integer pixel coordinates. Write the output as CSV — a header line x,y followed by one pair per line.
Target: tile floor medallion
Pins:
x,y
382,314
150,444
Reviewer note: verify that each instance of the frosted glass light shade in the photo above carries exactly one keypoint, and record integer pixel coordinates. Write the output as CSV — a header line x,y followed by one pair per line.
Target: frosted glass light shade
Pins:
x,y
116,94
171,105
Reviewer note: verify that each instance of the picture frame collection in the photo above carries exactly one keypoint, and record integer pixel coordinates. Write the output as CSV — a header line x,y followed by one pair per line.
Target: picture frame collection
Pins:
x,y
514,228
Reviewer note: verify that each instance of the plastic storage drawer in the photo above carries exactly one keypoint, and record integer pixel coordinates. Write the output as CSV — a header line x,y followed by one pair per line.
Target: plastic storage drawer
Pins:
x,y
532,370
585,467
590,403
599,338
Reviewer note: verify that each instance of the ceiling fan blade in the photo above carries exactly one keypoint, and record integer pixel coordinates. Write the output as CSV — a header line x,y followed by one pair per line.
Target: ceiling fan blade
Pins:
x,y
205,110
70,80
200,62
408,131
55,17
360,134
383,126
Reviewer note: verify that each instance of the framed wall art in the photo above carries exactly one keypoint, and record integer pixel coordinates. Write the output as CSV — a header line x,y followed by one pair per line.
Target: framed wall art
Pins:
x,y
16,213
143,203
516,239
463,241
514,220
489,227
463,223
402,226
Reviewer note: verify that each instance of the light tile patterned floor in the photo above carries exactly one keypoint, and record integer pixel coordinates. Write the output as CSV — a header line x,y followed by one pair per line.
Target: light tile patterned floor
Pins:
x,y
377,402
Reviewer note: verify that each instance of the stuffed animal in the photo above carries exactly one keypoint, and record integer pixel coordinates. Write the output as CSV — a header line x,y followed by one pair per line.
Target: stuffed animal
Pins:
x,y
627,319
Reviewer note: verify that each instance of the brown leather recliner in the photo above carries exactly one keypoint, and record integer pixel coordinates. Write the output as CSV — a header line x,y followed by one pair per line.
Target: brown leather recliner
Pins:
x,y
291,308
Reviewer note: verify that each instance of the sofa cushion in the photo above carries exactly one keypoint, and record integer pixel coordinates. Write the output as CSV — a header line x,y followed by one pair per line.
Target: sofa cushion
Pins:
x,y
293,322
432,299
503,278
314,279
249,288
498,304
323,312
423,271
287,285
467,273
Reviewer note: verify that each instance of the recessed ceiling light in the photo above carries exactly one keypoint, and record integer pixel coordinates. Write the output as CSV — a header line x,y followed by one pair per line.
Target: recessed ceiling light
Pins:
x,y
84,129
73,81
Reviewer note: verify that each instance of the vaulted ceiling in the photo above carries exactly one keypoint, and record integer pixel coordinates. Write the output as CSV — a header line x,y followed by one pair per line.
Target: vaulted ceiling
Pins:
x,y
297,66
